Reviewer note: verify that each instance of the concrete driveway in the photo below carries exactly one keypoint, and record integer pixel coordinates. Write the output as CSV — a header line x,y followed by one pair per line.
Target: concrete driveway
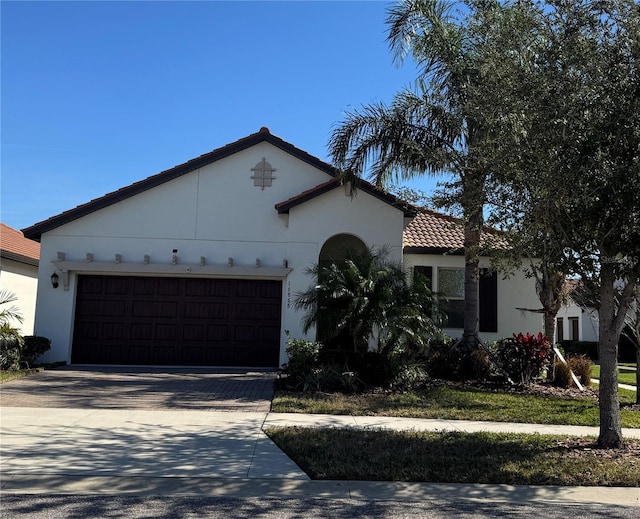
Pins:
x,y
87,429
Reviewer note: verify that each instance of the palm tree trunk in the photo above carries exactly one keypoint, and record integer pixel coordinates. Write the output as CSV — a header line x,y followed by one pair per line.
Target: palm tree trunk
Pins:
x,y
473,225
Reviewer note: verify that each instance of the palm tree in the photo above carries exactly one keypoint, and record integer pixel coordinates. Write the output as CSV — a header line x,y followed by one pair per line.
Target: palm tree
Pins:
x,y
433,130
363,297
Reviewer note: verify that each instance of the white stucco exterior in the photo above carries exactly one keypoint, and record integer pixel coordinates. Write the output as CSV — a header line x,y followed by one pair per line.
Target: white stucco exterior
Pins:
x,y
210,219
587,322
217,213
513,294
22,280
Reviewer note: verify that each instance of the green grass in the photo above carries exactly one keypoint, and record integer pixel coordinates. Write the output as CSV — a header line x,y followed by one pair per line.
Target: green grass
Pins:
x,y
6,376
624,376
454,404
450,457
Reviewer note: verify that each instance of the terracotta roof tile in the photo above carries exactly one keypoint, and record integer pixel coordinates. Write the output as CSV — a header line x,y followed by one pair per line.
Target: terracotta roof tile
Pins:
x,y
435,232
15,246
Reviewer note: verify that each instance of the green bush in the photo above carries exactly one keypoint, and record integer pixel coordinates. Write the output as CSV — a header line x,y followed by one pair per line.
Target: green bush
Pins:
x,y
409,377
11,343
445,361
562,375
481,364
581,367
523,357
33,347
303,359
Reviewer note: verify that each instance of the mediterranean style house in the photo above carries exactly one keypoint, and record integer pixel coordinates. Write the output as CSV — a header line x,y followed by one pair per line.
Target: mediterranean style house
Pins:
x,y
200,264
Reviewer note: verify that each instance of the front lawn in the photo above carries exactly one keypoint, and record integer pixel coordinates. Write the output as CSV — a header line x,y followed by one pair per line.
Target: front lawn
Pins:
x,y
624,376
451,457
455,403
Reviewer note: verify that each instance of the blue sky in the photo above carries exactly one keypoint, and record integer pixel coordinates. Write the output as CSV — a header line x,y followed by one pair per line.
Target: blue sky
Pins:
x,y
98,95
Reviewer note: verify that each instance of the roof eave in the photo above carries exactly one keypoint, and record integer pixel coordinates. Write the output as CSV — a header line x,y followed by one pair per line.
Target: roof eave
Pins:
x,y
20,258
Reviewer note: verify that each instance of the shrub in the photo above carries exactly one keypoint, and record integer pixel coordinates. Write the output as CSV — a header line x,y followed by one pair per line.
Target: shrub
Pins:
x,y
10,348
303,359
581,367
330,378
33,347
445,361
481,364
409,377
562,377
523,357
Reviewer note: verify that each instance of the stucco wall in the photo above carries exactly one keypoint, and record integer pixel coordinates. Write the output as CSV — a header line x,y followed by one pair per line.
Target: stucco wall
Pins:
x,y
513,293
218,213
22,280
587,321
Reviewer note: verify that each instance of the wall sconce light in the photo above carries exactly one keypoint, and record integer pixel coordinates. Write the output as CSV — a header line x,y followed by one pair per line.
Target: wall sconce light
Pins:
x,y
55,280
146,259
174,259
202,260
89,257
285,263
230,262
257,262
118,258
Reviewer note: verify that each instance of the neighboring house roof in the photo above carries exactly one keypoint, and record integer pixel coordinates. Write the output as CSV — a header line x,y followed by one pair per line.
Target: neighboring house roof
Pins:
x,y
14,246
264,135
436,233
310,194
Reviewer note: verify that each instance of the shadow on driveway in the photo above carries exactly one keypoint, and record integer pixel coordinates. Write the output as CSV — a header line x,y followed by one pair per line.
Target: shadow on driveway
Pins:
x,y
142,388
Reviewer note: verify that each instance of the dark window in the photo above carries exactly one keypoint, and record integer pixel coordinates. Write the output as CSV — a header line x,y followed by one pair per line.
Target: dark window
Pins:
x,y
423,274
574,328
488,301
559,329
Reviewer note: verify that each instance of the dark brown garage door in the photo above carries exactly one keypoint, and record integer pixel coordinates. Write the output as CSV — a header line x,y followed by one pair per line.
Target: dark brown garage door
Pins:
x,y
177,321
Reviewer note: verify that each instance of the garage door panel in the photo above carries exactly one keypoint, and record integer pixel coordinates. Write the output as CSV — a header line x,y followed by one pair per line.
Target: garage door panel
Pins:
x,y
113,331
217,333
154,309
116,285
168,286
141,332
166,331
188,321
205,310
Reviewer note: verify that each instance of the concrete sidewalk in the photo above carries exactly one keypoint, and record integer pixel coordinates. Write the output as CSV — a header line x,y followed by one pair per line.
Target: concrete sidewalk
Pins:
x,y
422,424
207,453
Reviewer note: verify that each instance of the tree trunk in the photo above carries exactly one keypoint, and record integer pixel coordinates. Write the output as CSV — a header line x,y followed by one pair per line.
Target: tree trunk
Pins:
x,y
610,425
637,373
473,225
550,286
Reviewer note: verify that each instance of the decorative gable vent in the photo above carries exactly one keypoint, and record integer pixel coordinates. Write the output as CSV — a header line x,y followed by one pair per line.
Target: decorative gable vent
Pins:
x,y
263,174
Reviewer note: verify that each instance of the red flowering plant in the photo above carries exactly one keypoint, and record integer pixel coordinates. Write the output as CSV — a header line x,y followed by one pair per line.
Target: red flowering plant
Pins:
x,y
522,358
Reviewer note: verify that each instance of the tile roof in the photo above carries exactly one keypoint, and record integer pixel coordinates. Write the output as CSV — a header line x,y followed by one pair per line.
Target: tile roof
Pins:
x,y
15,246
432,232
309,194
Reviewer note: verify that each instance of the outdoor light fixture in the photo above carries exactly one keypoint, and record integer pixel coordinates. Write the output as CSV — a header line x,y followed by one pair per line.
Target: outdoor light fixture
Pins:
x,y
54,280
